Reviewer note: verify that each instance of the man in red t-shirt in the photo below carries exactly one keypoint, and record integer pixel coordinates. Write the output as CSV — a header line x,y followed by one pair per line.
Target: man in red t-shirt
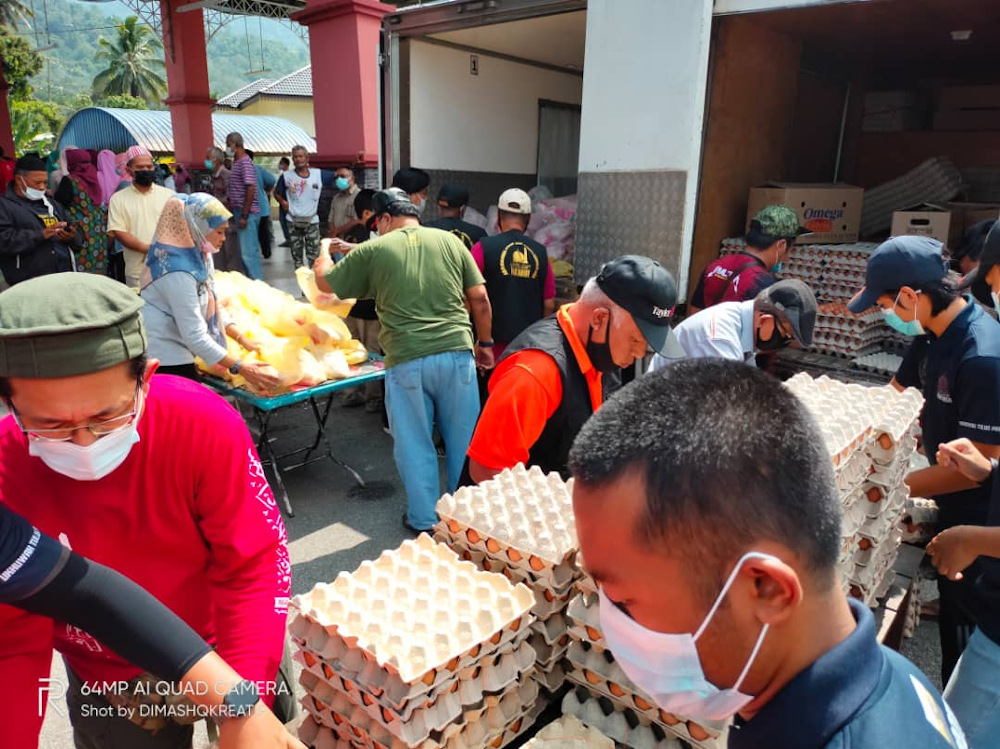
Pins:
x,y
743,275
155,477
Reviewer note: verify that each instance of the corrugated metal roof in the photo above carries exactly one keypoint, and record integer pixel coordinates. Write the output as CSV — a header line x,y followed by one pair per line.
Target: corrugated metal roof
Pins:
x,y
298,83
117,129
240,95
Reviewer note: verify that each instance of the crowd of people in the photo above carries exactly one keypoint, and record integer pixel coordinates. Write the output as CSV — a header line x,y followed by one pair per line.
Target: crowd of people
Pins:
x,y
706,506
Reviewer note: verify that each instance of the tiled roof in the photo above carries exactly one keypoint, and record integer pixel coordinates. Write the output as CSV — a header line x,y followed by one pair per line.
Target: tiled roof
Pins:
x,y
240,95
298,83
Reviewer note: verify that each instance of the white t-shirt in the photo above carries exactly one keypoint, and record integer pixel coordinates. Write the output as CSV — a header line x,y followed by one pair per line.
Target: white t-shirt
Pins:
x,y
302,194
722,331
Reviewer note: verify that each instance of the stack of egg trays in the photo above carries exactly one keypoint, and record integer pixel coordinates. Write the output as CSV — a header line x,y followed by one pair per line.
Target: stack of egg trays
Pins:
x,y
396,643
881,362
496,526
621,725
568,732
493,724
593,667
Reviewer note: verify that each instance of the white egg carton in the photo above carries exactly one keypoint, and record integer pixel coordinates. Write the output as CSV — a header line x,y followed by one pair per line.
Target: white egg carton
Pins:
x,y
411,619
631,729
521,516
548,653
568,732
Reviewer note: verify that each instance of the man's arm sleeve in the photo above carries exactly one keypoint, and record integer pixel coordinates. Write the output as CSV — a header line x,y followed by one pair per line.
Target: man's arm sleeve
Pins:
x,y
249,570
908,374
117,216
14,241
977,400
522,399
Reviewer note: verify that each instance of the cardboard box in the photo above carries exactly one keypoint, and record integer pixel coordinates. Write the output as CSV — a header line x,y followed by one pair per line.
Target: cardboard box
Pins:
x,y
969,97
967,214
927,220
831,211
966,120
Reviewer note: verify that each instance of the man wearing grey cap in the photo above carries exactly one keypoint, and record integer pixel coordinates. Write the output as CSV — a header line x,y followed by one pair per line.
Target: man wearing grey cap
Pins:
x,y
421,280
154,477
955,360
557,373
779,315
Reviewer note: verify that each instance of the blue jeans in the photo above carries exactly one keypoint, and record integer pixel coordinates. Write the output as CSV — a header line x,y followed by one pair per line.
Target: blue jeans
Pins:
x,y
250,245
439,387
973,691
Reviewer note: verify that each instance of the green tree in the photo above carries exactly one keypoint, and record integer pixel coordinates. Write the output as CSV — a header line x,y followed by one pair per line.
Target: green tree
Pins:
x,y
135,63
122,101
20,62
34,125
14,13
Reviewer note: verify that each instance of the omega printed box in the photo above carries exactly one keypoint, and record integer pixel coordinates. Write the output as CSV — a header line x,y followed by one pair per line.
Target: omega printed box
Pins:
x,y
832,212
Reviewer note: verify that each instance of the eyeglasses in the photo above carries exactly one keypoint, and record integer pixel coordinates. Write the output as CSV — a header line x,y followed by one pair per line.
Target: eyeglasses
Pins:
x,y
97,428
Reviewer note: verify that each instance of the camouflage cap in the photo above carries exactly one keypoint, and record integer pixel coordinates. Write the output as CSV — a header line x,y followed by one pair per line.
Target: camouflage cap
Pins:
x,y
779,221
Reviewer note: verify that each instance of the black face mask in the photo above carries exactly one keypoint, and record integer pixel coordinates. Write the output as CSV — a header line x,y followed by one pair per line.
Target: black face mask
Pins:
x,y
144,178
600,353
775,343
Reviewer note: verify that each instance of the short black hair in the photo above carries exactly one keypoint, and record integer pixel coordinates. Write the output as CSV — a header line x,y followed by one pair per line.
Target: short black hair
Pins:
x,y
729,458
941,293
249,153
973,242
137,367
758,240
363,202
411,180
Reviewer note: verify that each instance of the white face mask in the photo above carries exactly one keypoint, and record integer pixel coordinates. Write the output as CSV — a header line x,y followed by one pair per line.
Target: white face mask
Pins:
x,y
667,666
87,463
31,193
996,301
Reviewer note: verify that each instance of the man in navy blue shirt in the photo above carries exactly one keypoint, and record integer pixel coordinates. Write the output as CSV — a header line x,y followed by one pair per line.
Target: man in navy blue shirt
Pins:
x,y
714,547
955,361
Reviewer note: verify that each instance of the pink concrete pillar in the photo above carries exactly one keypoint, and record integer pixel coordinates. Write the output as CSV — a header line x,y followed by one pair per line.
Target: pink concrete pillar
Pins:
x,y
189,98
6,131
343,46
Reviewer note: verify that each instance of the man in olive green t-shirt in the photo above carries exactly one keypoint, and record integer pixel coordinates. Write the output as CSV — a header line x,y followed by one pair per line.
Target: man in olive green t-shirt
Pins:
x,y
421,280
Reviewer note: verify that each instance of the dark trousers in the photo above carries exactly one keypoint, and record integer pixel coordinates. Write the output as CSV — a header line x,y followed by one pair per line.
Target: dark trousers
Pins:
x,y
265,233
96,724
959,609
283,220
116,266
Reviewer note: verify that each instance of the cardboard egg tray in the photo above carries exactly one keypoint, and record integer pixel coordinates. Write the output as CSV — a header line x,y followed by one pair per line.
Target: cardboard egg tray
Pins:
x,y
497,722
410,619
628,728
520,516
490,675
881,361
568,732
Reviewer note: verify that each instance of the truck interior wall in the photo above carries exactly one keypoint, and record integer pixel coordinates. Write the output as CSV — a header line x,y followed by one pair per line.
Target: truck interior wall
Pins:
x,y
819,109
885,156
749,131
486,122
484,187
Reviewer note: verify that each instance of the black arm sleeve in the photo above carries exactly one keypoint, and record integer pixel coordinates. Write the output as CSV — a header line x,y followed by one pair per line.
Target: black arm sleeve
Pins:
x,y
64,193
120,614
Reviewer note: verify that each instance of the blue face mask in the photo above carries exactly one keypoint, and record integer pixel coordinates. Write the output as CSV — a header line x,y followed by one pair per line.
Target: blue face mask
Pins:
x,y
894,321
209,164
776,268
342,183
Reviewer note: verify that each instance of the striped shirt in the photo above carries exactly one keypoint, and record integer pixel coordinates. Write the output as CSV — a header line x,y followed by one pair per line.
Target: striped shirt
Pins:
x,y
243,175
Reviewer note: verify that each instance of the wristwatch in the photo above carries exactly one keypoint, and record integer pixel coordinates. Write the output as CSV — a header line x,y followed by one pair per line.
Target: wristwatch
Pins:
x,y
484,344
994,464
234,369
239,701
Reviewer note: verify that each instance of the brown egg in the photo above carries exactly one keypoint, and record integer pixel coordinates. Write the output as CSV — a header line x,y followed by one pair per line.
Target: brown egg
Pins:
x,y
337,718
515,625
327,671
697,732
591,676
549,595
309,658
515,726
885,441
864,544
454,526
429,677
497,742
452,664
616,690
496,638
640,702
367,699
536,563
387,715
669,718
492,545
514,555
874,494
475,651
472,536
593,634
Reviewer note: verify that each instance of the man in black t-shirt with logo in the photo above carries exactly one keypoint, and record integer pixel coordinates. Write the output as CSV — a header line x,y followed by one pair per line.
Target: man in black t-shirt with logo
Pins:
x,y
35,238
518,276
452,200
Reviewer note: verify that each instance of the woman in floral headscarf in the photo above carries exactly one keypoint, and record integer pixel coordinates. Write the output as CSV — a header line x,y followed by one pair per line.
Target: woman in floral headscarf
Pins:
x,y
80,193
183,318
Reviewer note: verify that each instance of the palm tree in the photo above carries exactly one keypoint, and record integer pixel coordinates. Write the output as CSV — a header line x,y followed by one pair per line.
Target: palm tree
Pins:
x,y
135,63
14,13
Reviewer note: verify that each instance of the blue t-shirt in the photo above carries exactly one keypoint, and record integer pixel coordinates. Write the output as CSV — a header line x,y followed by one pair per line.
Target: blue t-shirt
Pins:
x,y
265,181
959,375
28,558
859,695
